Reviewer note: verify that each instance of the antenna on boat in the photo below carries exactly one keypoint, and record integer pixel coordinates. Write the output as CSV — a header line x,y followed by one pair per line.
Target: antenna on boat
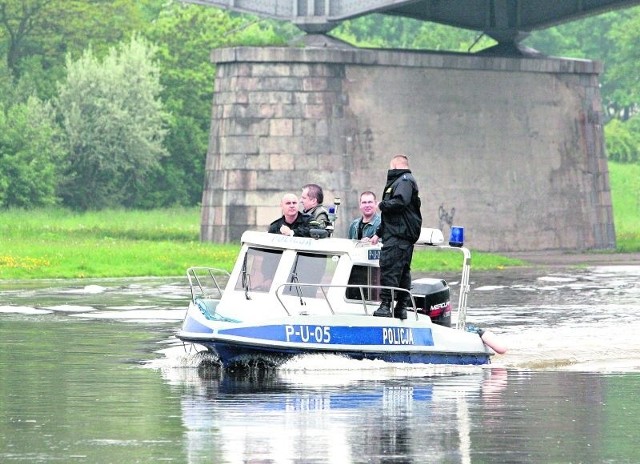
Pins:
x,y
333,214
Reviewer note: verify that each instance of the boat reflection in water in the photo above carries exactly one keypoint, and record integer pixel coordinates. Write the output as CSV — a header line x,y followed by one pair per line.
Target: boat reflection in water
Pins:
x,y
340,414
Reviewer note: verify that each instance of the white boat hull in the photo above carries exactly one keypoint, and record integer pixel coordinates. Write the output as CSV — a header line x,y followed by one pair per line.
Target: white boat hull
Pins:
x,y
276,340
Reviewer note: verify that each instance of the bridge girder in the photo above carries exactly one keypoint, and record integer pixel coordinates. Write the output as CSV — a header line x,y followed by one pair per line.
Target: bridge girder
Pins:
x,y
506,21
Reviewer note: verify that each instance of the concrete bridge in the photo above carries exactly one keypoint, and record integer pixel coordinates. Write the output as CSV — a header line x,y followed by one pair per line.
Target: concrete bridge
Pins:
x,y
508,144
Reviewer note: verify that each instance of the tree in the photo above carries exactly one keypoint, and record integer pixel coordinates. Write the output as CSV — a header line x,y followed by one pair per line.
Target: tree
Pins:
x,y
622,86
37,35
609,38
623,140
114,125
383,31
30,153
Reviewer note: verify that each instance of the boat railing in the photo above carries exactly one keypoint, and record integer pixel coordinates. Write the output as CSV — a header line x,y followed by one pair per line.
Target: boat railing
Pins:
x,y
323,287
462,296
465,288
203,283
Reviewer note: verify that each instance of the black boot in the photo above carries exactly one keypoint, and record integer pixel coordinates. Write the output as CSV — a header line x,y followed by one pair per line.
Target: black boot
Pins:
x,y
384,310
400,310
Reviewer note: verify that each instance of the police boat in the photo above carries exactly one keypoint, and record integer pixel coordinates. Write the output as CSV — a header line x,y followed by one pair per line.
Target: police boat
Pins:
x,y
290,296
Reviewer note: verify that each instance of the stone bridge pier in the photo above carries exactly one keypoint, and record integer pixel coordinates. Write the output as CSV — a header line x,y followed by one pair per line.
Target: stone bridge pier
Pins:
x,y
511,148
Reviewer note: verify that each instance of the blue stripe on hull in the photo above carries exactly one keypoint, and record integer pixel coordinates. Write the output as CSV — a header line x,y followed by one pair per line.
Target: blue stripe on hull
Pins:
x,y
335,334
231,354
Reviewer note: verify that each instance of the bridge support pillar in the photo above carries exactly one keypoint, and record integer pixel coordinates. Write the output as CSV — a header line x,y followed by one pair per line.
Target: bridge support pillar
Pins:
x,y
510,148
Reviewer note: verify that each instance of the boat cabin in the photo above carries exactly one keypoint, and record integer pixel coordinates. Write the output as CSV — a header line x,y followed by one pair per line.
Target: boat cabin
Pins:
x,y
276,275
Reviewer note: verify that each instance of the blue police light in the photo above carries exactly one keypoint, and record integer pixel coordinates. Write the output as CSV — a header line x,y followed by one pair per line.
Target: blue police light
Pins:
x,y
456,239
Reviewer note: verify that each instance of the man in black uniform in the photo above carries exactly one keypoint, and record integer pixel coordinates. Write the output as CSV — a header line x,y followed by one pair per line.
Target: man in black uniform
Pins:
x,y
292,222
399,231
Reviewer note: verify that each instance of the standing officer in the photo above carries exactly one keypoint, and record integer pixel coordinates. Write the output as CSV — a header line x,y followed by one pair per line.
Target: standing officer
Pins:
x,y
399,231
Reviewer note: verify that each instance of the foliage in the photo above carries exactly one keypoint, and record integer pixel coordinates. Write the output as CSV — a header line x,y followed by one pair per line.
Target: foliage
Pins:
x,y
622,84
623,140
113,122
382,31
39,34
30,153
610,38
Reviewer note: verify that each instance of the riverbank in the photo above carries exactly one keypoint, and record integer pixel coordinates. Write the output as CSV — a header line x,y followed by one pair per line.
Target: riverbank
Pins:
x,y
571,259
56,243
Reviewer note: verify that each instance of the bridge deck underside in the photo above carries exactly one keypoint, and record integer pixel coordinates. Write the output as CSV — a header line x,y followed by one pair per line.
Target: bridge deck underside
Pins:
x,y
504,20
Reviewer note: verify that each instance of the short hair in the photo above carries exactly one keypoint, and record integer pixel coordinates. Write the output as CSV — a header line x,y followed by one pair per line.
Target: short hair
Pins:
x,y
368,192
404,160
315,191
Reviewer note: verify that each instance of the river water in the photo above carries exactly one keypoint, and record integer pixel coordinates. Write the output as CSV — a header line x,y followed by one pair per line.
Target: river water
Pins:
x,y
90,372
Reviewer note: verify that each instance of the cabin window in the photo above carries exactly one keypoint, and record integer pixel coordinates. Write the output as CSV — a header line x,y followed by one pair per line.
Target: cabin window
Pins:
x,y
258,268
366,276
311,269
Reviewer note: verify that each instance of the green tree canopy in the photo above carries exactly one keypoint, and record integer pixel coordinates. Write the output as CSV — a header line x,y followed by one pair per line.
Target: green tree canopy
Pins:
x,y
113,120
30,153
37,35
623,140
377,30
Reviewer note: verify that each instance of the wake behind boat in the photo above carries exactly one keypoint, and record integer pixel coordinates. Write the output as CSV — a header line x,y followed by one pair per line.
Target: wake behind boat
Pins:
x,y
289,296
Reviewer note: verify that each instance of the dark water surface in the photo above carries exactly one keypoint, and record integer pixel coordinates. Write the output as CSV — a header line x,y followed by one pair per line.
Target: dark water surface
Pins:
x,y
90,372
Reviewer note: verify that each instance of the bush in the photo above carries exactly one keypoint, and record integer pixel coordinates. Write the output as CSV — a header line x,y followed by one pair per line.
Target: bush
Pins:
x,y
623,140
114,126
30,153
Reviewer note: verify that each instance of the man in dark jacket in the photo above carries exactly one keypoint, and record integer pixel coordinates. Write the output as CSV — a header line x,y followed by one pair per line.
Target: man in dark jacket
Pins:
x,y
399,231
292,222
311,198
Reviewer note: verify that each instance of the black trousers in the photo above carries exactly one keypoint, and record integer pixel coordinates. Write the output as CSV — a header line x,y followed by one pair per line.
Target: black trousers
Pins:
x,y
395,268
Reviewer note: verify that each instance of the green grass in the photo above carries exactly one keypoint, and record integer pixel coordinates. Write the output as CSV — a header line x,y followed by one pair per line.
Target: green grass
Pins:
x,y
625,196
56,243
448,260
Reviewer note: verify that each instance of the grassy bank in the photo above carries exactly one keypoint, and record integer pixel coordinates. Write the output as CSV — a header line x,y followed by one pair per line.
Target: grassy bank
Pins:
x,y
56,243
625,195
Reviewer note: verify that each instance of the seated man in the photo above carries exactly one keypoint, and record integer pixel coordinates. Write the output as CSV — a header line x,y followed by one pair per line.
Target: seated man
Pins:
x,y
311,199
365,227
292,222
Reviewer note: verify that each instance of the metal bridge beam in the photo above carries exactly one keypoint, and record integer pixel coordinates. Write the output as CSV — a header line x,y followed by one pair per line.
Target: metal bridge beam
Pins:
x,y
506,21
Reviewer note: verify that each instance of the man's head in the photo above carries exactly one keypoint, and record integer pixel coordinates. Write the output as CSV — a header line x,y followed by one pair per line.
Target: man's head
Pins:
x,y
289,205
399,162
368,205
311,197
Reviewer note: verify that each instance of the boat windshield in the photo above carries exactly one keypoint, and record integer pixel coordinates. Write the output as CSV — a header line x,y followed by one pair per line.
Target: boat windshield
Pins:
x,y
258,269
364,275
311,268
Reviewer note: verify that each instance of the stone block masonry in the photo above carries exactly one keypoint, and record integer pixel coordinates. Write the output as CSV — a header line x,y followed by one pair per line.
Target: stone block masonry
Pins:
x,y
510,148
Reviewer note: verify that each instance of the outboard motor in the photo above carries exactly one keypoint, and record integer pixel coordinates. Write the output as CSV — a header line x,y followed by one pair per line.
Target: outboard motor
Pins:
x,y
433,298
